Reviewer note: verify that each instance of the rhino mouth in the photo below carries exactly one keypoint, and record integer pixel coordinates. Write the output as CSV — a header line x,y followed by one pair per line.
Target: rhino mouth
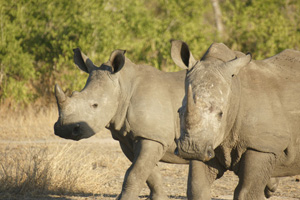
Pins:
x,y
190,150
73,131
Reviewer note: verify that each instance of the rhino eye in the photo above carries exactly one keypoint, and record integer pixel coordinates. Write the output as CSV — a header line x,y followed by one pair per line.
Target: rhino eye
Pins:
x,y
220,115
95,105
179,110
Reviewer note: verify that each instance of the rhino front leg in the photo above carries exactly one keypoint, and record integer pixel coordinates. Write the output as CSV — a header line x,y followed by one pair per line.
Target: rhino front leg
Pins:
x,y
147,153
271,187
201,177
154,181
254,174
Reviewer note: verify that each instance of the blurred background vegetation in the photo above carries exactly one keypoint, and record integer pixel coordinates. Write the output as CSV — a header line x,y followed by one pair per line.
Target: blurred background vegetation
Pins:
x,y
37,36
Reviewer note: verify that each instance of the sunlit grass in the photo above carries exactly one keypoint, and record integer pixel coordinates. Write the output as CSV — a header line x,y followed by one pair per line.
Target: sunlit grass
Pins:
x,y
70,168
33,161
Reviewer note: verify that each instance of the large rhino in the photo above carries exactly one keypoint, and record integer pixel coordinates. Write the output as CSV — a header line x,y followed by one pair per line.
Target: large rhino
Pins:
x,y
241,115
138,104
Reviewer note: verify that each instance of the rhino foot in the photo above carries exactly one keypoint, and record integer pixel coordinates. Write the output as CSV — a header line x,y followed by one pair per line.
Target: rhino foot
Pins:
x,y
158,197
271,187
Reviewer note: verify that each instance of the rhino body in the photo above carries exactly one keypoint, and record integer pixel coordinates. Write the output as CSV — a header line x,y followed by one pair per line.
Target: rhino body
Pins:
x,y
241,115
138,104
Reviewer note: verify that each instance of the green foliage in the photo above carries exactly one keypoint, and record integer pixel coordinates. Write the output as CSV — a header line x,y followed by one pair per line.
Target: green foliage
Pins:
x,y
37,37
263,28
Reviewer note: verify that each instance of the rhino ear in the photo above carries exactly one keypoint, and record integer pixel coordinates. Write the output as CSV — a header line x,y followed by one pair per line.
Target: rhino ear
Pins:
x,y
220,51
82,61
235,65
181,54
117,60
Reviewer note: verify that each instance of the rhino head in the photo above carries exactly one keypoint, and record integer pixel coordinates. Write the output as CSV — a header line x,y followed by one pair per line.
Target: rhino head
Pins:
x,y
86,112
210,104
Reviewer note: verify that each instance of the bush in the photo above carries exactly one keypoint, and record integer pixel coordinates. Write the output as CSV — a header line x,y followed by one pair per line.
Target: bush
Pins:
x,y
37,37
263,28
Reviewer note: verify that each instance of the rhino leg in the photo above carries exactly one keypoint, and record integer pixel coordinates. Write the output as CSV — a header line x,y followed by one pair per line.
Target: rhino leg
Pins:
x,y
201,176
147,154
271,187
154,181
254,174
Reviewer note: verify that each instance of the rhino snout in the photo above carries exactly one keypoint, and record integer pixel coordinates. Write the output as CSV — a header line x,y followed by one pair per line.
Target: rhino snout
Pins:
x,y
56,128
70,131
176,152
73,131
189,149
209,153
76,130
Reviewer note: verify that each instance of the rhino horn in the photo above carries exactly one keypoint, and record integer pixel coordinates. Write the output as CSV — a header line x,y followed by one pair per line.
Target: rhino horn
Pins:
x,y
191,106
59,94
192,116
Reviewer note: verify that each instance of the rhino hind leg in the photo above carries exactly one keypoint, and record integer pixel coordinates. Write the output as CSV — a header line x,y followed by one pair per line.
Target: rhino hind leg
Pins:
x,y
271,187
147,154
254,174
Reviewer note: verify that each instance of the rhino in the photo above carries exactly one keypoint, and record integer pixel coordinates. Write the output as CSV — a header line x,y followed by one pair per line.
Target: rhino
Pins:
x,y
138,104
241,115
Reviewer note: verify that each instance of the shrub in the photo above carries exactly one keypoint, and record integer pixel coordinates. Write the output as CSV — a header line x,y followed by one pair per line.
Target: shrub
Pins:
x,y
37,37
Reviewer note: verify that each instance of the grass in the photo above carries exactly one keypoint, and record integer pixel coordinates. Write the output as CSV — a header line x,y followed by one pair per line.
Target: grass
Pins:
x,y
20,173
33,161
31,123
55,169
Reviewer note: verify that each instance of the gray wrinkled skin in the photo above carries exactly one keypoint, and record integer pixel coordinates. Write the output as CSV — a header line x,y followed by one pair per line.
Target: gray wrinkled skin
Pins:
x,y
138,104
242,115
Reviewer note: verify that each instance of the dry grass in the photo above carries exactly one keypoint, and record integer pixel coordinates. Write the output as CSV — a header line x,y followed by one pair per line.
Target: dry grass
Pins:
x,y
33,161
57,169
31,123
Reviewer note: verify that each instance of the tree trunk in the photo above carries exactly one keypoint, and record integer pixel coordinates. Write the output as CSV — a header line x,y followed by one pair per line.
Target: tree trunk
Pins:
x,y
218,18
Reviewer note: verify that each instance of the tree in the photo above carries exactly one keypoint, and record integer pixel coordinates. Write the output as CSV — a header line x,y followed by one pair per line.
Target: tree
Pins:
x,y
218,18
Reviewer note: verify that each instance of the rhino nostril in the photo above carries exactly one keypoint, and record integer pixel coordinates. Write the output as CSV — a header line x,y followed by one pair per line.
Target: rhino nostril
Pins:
x,y
76,129
176,152
210,152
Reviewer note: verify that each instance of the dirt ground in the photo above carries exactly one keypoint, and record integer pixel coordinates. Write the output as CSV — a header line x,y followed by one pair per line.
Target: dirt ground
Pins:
x,y
93,168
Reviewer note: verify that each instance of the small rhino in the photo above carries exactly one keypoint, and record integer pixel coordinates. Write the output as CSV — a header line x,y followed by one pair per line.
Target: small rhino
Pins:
x,y
241,115
138,104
